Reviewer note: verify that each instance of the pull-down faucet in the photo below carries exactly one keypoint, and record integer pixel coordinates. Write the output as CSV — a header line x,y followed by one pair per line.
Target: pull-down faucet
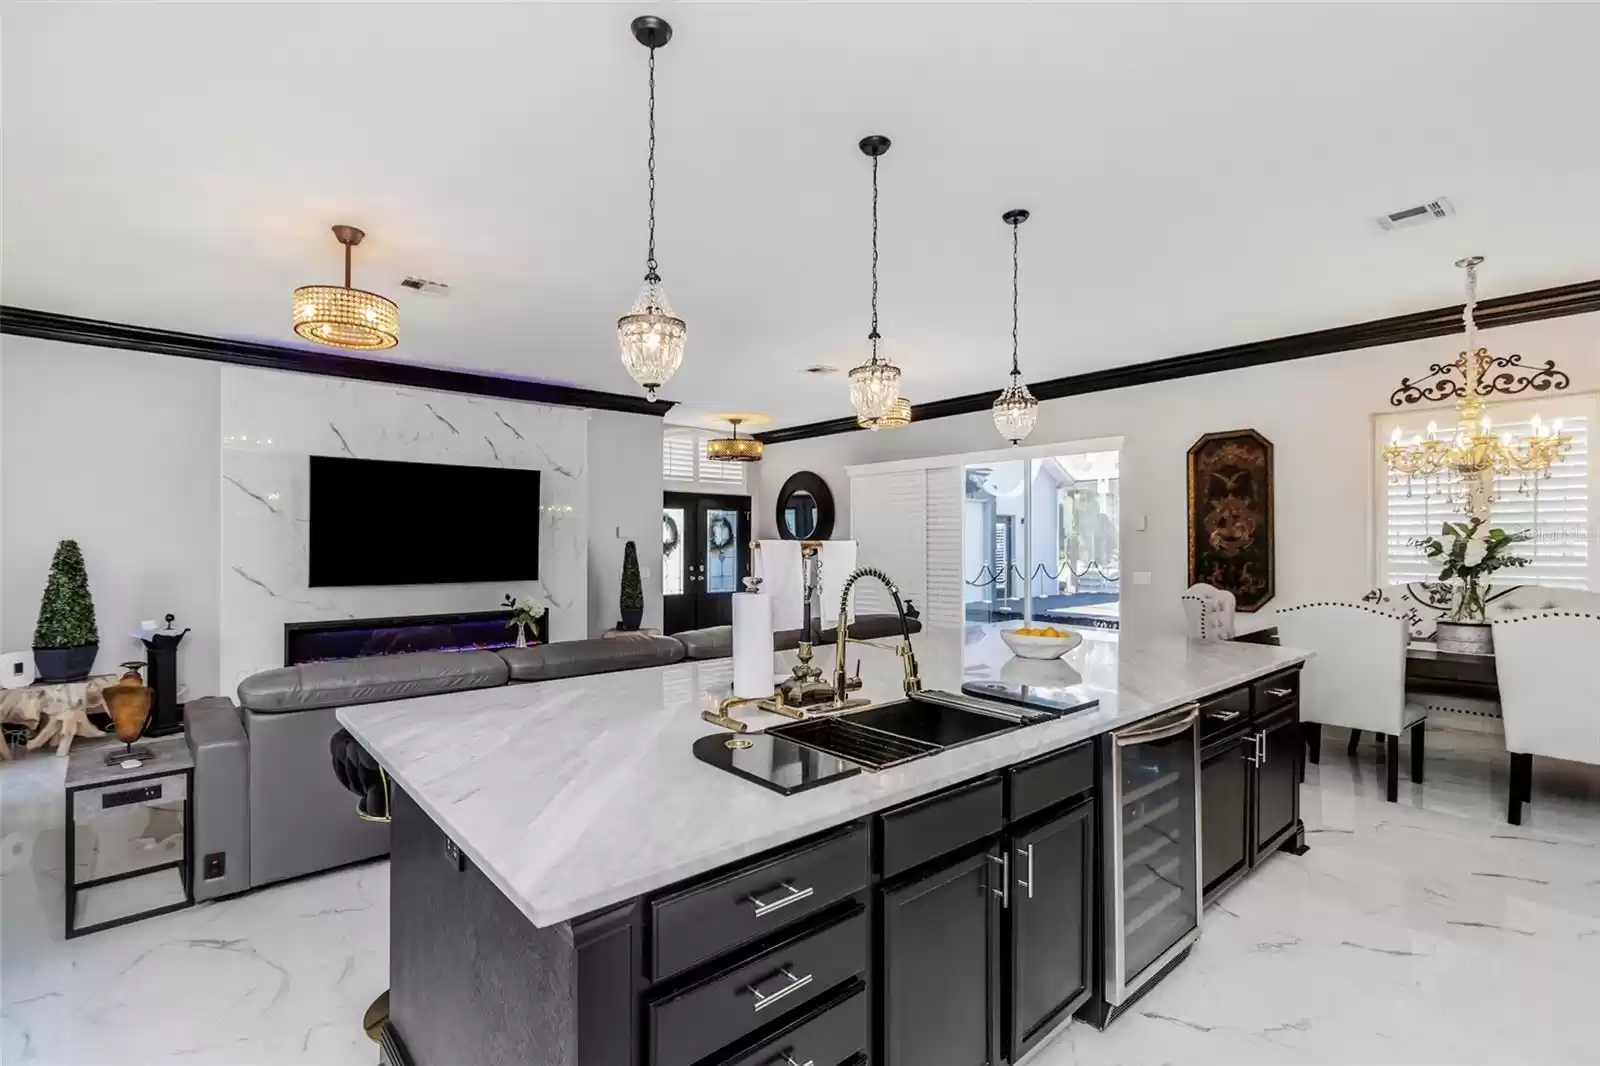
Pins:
x,y
908,658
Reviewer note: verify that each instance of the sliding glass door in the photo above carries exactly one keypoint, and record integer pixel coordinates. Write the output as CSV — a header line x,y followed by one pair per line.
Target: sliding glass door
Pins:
x,y
1040,539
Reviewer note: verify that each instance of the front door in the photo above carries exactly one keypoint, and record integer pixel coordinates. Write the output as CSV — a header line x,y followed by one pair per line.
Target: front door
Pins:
x,y
705,544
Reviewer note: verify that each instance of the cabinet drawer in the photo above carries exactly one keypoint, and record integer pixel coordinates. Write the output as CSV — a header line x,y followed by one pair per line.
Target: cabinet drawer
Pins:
x,y
692,1024
941,823
1227,711
698,923
1046,781
828,1036
1277,691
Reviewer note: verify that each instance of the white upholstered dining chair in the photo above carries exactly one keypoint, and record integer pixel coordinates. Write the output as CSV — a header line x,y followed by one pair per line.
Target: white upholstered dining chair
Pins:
x,y
1356,679
1208,612
1549,697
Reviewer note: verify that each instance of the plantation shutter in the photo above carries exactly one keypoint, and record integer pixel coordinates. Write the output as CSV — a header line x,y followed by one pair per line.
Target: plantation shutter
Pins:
x,y
1559,510
678,455
683,458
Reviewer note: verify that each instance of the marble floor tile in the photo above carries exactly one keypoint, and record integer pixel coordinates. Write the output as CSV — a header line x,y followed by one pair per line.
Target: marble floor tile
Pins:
x,y
1425,931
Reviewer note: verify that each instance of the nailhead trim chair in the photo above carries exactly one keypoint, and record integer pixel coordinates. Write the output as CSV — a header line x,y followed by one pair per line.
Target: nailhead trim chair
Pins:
x,y
1208,612
1357,679
1549,698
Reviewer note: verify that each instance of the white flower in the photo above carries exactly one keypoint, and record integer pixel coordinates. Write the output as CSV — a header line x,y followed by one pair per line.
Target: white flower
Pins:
x,y
1476,550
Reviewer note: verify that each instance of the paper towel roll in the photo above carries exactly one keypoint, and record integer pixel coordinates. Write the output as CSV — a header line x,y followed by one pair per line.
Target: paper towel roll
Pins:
x,y
16,669
752,645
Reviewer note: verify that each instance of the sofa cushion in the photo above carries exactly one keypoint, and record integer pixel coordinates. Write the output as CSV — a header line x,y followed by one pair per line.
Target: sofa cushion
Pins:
x,y
373,679
574,658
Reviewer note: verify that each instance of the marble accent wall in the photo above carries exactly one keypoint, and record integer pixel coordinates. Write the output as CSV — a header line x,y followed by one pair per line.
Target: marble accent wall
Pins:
x,y
272,422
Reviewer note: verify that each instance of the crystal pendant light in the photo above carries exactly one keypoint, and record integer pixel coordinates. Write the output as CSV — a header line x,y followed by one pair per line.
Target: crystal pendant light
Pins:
x,y
1015,409
342,317
734,449
875,384
650,335
898,417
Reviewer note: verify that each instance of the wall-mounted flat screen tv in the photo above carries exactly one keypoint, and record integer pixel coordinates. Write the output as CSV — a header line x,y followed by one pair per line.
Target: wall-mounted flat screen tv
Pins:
x,y
376,522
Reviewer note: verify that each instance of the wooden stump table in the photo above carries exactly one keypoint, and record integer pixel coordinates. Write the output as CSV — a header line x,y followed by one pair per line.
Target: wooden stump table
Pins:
x,y
58,710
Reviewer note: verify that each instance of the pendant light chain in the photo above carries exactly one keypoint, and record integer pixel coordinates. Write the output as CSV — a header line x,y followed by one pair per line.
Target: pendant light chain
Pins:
x,y
873,336
650,257
1015,372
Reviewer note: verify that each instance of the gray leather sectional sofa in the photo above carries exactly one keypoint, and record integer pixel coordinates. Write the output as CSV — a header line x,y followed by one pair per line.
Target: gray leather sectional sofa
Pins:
x,y
266,806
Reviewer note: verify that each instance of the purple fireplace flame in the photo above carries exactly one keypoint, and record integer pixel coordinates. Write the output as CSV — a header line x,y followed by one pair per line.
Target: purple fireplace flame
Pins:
x,y
355,638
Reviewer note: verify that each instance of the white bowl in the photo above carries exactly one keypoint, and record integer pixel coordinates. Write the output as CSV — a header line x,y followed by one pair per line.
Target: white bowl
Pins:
x,y
1040,647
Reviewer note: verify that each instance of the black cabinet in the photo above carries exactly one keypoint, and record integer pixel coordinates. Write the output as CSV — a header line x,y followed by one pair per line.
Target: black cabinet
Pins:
x,y
1250,762
1226,844
1277,772
1048,925
941,951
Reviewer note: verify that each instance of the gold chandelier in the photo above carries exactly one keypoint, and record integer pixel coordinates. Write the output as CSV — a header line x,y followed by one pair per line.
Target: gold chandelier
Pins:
x,y
897,417
1463,464
342,317
735,449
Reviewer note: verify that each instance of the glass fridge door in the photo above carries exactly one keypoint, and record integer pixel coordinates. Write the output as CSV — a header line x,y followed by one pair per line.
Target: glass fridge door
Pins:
x,y
1156,822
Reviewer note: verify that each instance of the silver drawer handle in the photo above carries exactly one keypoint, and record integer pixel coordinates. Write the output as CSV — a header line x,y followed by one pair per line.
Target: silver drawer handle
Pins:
x,y
1223,716
1280,692
788,1058
1028,884
795,896
795,984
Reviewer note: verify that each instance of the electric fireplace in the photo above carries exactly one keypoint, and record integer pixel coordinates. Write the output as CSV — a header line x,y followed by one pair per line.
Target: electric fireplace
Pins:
x,y
354,638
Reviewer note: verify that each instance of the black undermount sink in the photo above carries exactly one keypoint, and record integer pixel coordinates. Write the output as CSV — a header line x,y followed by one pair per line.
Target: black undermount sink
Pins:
x,y
893,733
797,756
931,723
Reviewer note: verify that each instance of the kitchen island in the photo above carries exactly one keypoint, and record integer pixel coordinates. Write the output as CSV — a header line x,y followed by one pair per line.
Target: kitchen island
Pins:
x,y
562,862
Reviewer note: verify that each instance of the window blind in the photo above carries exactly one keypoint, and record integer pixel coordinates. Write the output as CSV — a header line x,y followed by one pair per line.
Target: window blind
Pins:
x,y
677,455
683,458
720,472
1558,509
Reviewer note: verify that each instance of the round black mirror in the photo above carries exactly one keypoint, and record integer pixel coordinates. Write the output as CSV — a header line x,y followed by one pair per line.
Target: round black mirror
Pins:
x,y
805,508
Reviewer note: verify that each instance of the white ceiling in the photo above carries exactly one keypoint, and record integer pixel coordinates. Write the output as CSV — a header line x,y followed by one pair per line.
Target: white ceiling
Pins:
x,y
1199,175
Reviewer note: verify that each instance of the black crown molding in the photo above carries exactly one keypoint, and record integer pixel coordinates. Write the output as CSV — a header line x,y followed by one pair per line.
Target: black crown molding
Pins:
x,y
1576,299
23,322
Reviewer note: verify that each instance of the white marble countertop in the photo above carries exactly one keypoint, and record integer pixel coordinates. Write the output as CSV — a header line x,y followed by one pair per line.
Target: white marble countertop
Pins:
x,y
575,794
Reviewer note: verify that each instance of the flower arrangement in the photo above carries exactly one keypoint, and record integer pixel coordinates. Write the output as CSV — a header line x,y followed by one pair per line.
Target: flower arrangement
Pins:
x,y
525,615
1469,552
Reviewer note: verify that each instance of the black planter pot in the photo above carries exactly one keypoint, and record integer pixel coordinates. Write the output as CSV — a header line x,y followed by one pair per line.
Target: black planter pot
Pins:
x,y
630,620
65,664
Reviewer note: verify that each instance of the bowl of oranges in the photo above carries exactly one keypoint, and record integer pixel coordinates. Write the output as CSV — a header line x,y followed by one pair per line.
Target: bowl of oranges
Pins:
x,y
1040,642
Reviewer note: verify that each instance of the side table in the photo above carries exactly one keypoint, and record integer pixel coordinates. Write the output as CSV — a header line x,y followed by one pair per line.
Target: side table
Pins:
x,y
130,851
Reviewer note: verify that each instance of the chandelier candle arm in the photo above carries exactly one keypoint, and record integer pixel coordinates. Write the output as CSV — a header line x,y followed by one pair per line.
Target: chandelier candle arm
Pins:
x,y
1462,467
651,337
875,384
1016,411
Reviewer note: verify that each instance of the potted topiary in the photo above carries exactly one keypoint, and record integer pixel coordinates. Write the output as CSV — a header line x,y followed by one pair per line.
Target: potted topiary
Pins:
x,y
632,599
66,641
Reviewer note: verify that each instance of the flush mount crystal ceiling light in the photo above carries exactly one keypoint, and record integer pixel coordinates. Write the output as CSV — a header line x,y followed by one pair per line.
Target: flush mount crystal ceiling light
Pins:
x,y
734,449
650,335
1015,409
899,416
342,317
875,384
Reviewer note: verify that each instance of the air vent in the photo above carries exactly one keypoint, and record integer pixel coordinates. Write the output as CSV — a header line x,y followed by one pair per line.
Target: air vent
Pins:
x,y
821,368
1431,211
432,288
